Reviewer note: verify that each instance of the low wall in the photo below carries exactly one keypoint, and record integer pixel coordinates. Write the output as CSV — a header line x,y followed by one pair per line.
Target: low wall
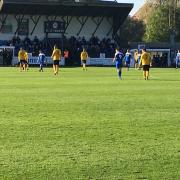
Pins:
x,y
90,61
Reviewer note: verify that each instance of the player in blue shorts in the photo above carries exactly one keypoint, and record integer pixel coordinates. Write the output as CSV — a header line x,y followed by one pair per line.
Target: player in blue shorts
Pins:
x,y
41,60
118,58
177,59
127,59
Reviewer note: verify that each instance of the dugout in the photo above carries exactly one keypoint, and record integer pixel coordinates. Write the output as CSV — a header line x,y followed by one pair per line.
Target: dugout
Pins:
x,y
164,59
54,19
6,55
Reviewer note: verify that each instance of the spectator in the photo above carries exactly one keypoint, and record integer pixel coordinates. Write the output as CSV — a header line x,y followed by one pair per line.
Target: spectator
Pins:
x,y
94,46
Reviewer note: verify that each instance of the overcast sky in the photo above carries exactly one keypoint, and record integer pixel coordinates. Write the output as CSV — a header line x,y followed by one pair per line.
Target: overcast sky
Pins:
x,y
137,4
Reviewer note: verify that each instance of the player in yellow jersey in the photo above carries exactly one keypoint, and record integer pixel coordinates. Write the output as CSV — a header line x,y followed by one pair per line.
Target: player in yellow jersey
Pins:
x,y
136,59
56,56
27,63
84,57
22,59
145,61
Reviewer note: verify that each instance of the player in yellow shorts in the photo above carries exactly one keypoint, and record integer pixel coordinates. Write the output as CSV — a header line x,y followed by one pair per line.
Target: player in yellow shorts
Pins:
x,y
84,57
145,61
136,59
22,57
56,56
27,62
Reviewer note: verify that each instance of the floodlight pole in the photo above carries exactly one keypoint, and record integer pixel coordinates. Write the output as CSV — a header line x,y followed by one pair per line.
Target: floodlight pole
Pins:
x,y
62,42
172,21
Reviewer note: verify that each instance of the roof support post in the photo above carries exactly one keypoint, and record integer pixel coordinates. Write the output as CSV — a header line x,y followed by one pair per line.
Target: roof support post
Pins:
x,y
67,20
82,20
116,27
19,18
98,22
109,20
51,18
35,19
3,18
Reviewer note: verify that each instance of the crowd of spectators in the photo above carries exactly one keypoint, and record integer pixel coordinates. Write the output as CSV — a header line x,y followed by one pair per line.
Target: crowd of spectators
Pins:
x,y
160,60
74,45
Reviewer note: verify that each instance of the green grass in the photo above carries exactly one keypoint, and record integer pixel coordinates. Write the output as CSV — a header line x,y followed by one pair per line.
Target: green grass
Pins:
x,y
89,125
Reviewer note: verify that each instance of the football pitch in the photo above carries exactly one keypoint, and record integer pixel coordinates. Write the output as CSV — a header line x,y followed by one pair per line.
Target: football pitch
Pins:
x,y
89,125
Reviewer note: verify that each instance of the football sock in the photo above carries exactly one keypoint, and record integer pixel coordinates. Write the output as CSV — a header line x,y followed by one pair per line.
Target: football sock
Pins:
x,y
147,74
119,74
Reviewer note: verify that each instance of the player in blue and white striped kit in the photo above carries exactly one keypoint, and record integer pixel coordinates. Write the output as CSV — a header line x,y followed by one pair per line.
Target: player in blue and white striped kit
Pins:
x,y
41,60
127,59
177,58
118,58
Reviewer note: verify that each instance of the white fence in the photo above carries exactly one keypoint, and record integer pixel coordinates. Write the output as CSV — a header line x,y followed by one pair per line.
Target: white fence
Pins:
x,y
100,61
90,61
34,61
